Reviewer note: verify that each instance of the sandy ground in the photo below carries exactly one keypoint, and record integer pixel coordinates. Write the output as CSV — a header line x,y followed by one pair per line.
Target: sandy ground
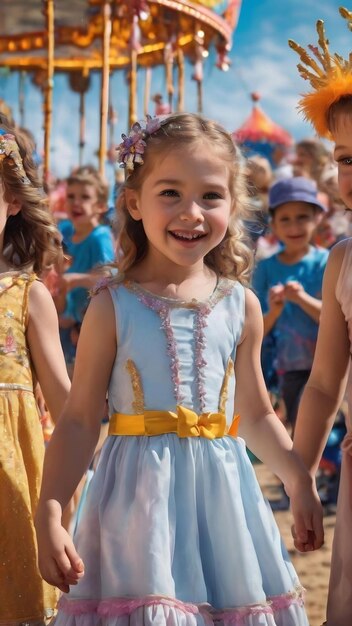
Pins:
x,y
312,568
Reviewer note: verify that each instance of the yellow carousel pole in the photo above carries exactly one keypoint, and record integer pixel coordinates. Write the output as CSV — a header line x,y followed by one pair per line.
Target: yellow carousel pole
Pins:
x,y
104,95
198,67
181,81
134,47
169,61
132,105
48,95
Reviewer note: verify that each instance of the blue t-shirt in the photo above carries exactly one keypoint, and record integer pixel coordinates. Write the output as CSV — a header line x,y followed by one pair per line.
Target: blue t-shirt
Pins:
x,y
96,249
295,332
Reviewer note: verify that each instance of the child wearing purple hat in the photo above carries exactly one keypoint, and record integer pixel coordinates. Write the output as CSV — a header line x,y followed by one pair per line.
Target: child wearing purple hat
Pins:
x,y
289,285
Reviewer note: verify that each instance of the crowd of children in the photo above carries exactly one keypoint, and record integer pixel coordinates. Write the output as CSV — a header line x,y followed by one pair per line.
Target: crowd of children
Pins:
x,y
210,253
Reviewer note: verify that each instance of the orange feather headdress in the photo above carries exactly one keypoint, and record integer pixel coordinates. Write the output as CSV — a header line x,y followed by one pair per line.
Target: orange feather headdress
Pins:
x,y
330,80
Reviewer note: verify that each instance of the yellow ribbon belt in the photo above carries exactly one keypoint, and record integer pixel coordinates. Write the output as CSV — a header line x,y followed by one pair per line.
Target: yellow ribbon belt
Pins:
x,y
185,423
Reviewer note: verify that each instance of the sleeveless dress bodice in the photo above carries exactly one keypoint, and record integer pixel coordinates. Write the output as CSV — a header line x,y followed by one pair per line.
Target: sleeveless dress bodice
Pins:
x,y
169,352
14,357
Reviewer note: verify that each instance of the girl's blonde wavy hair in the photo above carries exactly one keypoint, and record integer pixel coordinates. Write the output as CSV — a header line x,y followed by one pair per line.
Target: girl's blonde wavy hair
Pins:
x,y
233,257
31,239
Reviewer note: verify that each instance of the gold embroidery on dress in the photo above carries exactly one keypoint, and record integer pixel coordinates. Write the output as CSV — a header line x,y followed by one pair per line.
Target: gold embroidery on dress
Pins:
x,y
224,392
138,403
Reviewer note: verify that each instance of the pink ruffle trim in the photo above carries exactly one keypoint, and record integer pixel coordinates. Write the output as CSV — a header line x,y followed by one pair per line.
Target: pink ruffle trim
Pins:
x,y
275,603
125,606
117,607
78,607
283,602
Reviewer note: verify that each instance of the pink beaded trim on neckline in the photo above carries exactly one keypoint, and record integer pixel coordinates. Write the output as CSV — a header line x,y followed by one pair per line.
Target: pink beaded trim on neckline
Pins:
x,y
223,288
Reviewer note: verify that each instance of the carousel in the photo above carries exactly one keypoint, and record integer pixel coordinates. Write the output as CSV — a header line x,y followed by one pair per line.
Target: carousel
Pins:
x,y
41,38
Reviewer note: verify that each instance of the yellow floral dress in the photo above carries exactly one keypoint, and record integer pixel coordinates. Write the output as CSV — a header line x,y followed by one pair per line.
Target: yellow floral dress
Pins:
x,y
24,596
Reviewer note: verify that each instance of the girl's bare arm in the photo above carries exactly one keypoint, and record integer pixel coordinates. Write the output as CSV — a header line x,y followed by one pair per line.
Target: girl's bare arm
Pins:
x,y
77,431
73,442
267,437
326,385
45,349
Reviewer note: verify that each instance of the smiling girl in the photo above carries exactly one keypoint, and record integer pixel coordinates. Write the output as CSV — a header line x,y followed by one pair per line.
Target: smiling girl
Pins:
x,y
175,529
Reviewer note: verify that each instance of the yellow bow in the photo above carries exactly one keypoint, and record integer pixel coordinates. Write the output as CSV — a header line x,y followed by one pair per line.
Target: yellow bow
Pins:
x,y
207,425
185,423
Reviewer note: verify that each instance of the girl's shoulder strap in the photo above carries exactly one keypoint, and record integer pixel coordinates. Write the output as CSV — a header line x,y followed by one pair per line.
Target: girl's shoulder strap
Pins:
x,y
229,286
20,279
106,282
233,293
27,280
19,283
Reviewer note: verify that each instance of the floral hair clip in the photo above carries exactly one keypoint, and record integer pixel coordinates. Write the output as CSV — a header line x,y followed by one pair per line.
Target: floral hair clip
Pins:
x,y
130,151
9,149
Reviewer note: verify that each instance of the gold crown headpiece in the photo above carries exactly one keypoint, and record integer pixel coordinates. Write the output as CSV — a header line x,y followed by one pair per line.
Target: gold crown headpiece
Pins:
x,y
330,80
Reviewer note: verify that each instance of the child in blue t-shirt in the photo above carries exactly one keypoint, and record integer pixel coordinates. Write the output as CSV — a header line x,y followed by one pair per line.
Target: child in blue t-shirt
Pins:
x,y
289,283
88,244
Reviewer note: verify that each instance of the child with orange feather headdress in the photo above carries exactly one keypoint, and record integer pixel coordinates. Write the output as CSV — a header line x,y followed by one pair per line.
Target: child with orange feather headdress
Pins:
x,y
328,107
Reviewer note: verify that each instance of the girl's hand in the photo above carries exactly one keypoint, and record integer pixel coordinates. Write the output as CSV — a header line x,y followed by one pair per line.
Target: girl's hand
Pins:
x,y
67,281
307,511
293,291
59,563
39,398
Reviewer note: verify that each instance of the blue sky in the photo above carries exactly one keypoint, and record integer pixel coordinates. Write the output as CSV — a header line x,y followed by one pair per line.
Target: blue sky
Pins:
x,y
261,62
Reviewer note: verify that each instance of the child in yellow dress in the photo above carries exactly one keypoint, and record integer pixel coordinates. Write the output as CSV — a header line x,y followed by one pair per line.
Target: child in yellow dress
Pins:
x,y
30,351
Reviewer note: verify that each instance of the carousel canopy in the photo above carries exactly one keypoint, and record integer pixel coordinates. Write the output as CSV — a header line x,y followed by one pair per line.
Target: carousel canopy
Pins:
x,y
149,26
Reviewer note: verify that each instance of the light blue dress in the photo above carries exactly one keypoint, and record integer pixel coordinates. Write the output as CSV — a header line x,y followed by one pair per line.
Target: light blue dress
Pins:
x,y
175,531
